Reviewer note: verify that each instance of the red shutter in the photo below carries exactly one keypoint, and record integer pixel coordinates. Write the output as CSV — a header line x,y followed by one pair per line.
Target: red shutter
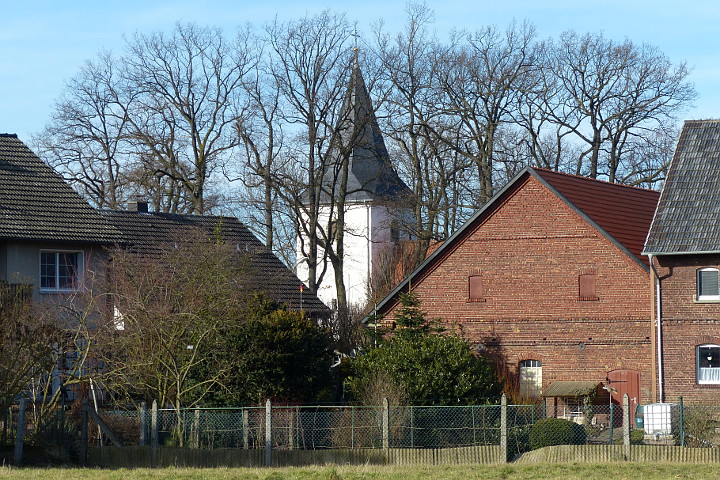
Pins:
x,y
587,287
475,288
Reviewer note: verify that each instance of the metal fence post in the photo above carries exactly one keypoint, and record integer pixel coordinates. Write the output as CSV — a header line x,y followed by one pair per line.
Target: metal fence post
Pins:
x,y
626,425
20,433
154,441
682,422
412,428
503,428
386,424
268,433
612,422
143,424
3,439
474,427
291,429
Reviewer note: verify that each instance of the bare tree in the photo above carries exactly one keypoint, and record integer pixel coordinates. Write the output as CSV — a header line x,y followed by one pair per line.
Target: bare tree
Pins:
x,y
607,94
411,113
310,70
27,341
168,307
84,139
481,76
188,92
156,122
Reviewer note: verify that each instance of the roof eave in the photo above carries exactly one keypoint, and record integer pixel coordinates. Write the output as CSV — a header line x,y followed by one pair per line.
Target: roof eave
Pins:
x,y
689,252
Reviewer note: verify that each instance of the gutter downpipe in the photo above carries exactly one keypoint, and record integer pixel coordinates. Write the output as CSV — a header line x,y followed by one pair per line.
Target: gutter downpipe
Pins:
x,y
658,323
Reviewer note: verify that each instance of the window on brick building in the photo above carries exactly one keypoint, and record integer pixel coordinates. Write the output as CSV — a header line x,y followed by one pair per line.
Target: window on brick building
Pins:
x,y
707,284
708,363
530,378
475,289
587,290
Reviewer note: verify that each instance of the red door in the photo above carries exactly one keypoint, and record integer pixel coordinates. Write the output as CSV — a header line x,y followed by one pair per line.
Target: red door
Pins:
x,y
625,381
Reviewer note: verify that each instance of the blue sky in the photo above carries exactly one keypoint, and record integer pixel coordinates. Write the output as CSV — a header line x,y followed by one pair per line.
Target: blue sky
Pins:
x,y
44,43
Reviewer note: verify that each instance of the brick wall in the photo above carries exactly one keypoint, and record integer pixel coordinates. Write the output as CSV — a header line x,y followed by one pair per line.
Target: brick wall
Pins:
x,y
687,323
529,252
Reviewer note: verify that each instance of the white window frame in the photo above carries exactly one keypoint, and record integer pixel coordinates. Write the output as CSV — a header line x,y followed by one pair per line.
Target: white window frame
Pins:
x,y
78,274
707,375
698,282
530,370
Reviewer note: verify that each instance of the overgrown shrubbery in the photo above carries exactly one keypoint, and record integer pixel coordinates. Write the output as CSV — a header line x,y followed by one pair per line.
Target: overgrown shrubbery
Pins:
x,y
556,431
419,365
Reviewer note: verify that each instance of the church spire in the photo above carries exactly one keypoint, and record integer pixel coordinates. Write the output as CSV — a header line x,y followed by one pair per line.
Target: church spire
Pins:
x,y
371,175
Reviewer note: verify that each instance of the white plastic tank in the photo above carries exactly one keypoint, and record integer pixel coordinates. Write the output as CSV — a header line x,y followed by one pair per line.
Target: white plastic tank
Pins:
x,y
660,418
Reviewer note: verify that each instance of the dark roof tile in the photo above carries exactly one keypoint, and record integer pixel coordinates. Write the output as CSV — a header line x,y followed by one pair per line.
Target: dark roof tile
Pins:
x,y
688,213
37,204
150,231
371,174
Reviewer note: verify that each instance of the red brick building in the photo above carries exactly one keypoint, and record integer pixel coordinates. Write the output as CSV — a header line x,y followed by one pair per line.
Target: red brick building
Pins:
x,y
548,280
684,246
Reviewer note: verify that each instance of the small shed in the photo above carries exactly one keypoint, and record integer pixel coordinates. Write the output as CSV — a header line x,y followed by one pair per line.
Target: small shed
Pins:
x,y
571,399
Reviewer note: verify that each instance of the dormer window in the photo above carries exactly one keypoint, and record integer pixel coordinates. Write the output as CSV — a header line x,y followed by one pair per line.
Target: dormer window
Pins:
x,y
707,284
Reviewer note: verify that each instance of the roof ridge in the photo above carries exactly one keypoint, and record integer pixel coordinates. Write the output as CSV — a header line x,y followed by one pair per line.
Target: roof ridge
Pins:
x,y
581,177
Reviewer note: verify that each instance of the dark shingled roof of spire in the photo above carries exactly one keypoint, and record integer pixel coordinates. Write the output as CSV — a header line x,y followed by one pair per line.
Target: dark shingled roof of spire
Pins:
x,y
371,175
687,219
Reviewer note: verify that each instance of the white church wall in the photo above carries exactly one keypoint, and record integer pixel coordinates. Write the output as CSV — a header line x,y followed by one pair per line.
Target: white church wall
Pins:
x,y
368,237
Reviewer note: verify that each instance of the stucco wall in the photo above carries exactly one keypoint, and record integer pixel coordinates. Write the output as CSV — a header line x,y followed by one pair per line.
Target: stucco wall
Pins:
x,y
21,263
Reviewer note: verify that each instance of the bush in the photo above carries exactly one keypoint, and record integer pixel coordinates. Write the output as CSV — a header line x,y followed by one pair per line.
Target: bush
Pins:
x,y
556,431
518,440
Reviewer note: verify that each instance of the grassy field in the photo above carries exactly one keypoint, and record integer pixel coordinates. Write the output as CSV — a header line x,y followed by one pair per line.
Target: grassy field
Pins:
x,y
555,471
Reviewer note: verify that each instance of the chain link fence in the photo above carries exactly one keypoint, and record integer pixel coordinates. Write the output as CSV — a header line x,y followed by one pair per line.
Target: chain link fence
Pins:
x,y
350,427
320,427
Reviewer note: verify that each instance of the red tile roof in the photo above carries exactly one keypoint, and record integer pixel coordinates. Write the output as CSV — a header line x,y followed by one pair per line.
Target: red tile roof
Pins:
x,y
624,212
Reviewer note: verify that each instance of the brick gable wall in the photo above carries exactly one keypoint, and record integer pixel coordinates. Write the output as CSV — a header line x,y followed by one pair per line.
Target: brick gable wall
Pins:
x,y
686,324
530,252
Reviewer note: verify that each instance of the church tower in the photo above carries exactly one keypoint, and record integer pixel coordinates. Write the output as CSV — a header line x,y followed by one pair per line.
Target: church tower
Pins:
x,y
372,197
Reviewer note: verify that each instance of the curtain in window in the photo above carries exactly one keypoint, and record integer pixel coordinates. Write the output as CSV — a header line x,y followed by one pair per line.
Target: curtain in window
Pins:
x,y
708,283
708,361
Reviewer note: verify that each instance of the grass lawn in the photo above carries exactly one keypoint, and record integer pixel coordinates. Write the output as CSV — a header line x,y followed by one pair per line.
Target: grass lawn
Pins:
x,y
615,471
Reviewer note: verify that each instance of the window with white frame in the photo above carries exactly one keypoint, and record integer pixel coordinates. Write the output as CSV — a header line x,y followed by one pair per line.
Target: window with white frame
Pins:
x,y
708,363
60,271
707,284
530,378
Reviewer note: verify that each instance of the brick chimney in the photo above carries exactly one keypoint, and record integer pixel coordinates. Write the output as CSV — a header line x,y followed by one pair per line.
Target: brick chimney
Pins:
x,y
138,206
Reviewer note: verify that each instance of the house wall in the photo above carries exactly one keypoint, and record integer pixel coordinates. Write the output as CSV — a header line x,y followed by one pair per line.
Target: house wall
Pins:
x,y
686,323
21,263
529,254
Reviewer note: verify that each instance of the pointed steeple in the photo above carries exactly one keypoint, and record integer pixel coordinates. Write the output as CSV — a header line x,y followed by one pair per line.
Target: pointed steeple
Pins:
x,y
371,175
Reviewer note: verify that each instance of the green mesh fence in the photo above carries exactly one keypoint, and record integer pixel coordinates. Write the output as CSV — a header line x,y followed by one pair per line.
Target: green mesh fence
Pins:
x,y
354,427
